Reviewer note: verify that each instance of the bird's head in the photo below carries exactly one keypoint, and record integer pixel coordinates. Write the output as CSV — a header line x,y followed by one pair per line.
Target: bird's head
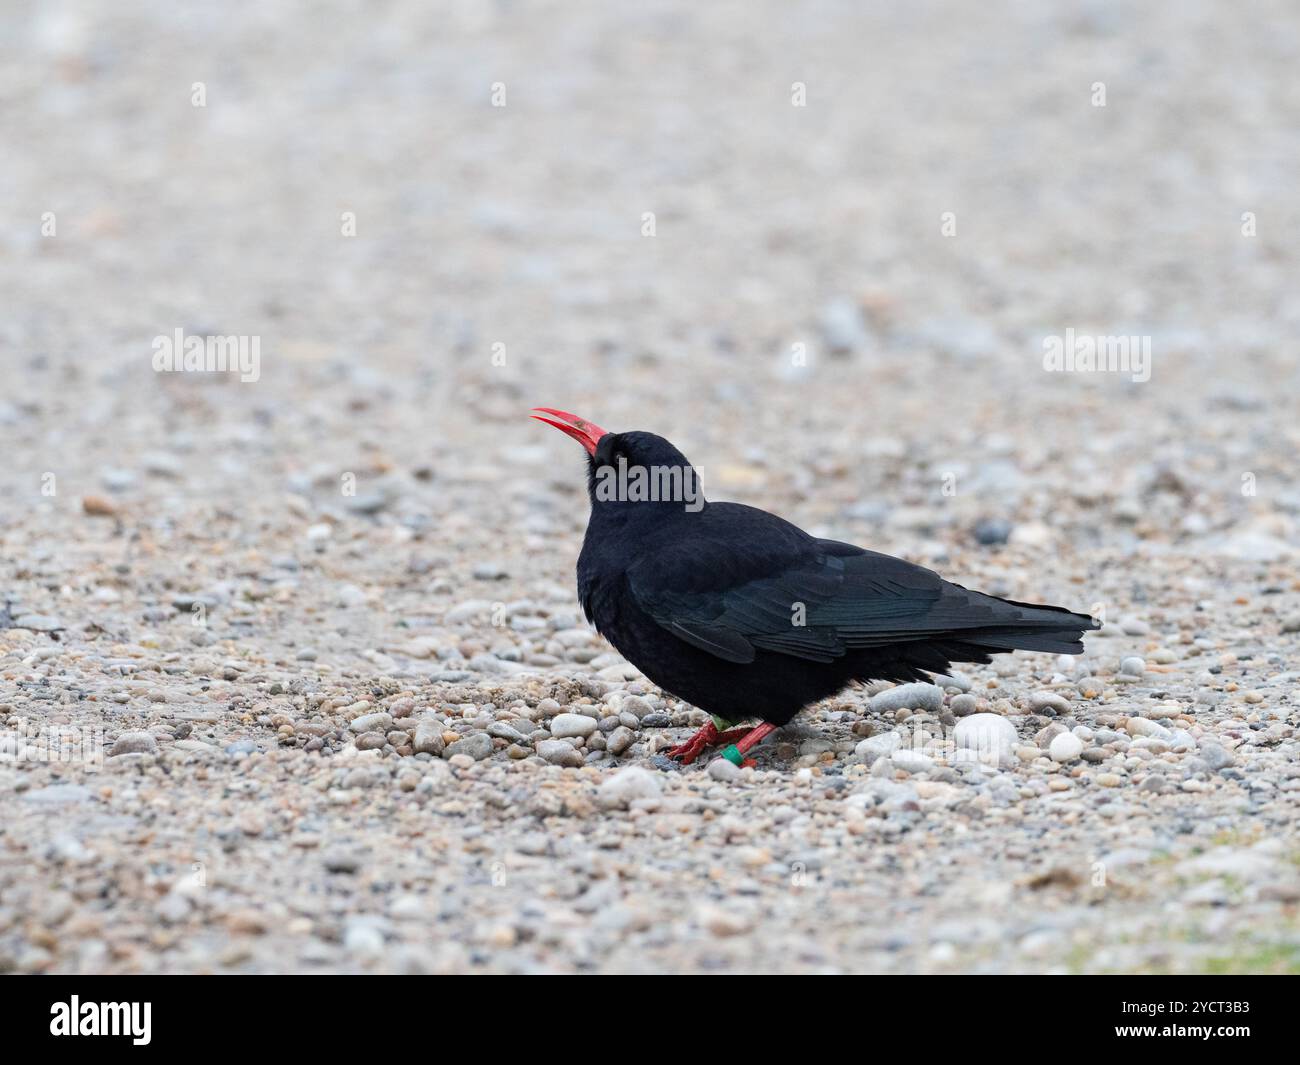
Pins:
x,y
632,467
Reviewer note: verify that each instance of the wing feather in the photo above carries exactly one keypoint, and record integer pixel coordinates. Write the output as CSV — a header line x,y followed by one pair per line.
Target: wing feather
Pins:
x,y
820,599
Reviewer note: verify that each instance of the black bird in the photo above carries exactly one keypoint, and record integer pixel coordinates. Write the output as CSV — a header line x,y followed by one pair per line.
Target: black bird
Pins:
x,y
747,616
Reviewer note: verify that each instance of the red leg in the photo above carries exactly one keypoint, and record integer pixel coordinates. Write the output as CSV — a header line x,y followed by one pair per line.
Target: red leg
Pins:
x,y
753,739
691,749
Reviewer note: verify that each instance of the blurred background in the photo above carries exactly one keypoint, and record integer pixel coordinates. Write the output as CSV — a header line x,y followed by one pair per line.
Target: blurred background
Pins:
x,y
774,226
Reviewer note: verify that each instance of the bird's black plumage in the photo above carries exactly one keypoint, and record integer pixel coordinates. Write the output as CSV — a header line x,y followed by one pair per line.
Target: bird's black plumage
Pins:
x,y
747,616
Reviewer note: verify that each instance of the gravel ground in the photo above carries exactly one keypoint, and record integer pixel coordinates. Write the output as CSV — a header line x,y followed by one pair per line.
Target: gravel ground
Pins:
x,y
293,672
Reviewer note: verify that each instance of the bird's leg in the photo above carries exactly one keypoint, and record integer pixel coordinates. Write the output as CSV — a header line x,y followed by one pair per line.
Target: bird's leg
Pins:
x,y
736,752
687,752
708,736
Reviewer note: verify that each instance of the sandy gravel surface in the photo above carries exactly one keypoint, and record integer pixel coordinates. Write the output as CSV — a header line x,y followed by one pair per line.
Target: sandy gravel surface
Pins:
x,y
313,639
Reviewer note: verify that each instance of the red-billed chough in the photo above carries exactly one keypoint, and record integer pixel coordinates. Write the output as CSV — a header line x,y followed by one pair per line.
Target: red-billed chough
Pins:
x,y
747,616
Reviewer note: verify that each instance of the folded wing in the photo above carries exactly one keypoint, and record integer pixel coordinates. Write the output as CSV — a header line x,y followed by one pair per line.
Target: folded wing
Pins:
x,y
821,599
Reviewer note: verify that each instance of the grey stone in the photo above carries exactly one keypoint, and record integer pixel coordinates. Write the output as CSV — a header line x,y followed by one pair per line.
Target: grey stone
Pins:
x,y
559,752
134,743
620,740
478,746
908,696
428,738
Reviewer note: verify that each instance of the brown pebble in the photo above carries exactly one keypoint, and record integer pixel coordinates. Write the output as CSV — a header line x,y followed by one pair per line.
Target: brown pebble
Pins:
x,y
98,506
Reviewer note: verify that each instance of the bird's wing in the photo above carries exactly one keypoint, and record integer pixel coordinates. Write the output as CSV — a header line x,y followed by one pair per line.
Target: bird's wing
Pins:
x,y
814,600
800,599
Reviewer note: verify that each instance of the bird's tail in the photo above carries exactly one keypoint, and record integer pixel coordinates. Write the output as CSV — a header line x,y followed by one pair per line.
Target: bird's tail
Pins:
x,y
1026,627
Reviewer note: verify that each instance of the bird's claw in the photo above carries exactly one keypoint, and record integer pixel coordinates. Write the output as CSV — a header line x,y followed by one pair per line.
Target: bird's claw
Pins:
x,y
707,737
687,752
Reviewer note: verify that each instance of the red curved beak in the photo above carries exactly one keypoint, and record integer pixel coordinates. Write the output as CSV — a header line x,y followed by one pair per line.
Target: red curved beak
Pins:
x,y
585,432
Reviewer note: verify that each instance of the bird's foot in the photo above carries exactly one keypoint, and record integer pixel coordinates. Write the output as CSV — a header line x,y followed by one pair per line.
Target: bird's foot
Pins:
x,y
687,752
709,736
752,738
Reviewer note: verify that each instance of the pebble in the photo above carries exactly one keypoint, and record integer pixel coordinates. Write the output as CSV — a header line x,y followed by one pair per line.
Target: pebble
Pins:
x,y
363,937
992,531
620,740
724,770
363,776
1043,701
1065,748
162,464
722,920
1143,726
134,743
564,726
502,731
428,738
880,746
1133,666
98,506
349,595
38,622
842,327
626,786
341,862
467,611
637,706
478,746
117,479
963,705
990,735
378,722
559,752
1216,756
918,696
